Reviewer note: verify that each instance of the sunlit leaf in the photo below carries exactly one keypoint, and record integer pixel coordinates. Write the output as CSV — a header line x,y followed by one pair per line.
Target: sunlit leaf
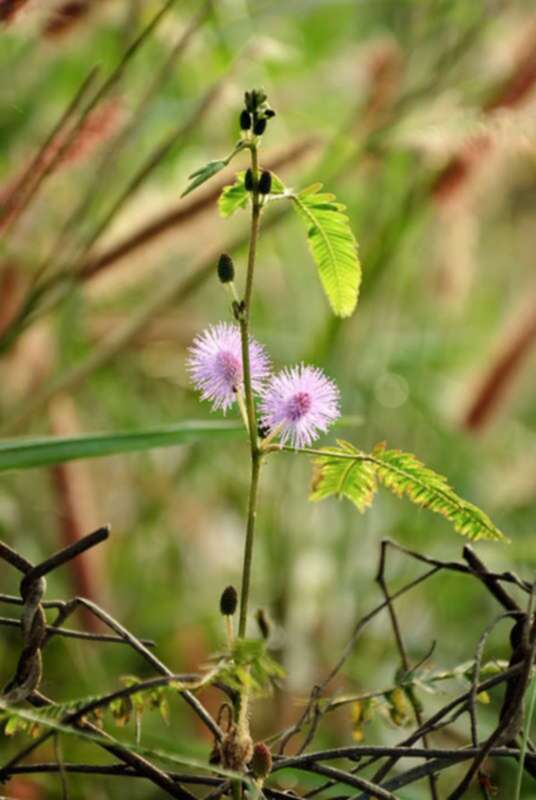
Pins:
x,y
233,196
405,475
345,471
352,479
333,247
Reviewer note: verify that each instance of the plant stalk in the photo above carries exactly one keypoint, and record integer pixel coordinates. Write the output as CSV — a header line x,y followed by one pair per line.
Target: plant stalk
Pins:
x,y
248,548
248,392
255,453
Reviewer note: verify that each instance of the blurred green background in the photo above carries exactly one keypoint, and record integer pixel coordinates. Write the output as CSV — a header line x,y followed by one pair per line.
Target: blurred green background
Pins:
x,y
420,116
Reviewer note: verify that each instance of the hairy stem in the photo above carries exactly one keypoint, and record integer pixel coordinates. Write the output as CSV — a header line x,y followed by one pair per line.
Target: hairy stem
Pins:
x,y
245,311
255,453
248,392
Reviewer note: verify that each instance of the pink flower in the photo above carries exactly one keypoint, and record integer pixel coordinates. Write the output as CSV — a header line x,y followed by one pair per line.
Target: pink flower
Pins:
x,y
300,402
215,364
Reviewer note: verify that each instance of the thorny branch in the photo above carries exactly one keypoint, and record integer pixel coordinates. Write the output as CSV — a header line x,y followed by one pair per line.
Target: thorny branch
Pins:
x,y
501,744
24,685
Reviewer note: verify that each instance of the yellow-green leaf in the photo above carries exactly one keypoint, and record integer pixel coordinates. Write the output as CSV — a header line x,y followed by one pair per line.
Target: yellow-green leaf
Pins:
x,y
333,247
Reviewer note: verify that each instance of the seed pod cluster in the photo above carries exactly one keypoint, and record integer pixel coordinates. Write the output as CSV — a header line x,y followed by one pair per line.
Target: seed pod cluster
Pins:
x,y
264,184
257,112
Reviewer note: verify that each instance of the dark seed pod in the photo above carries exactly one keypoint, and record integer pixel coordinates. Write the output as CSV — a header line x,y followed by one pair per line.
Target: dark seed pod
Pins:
x,y
259,126
226,270
245,120
265,183
228,601
261,761
248,180
269,113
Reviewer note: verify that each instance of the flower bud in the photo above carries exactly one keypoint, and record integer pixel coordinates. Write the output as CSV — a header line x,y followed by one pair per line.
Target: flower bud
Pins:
x,y
269,112
259,126
262,430
236,749
261,762
228,601
245,120
263,622
226,271
259,96
249,101
248,180
265,183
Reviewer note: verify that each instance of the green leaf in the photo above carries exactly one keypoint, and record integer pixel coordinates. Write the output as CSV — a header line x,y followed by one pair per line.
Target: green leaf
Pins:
x,y
15,725
405,475
236,195
333,247
249,665
344,477
204,174
25,453
208,171
233,197
345,471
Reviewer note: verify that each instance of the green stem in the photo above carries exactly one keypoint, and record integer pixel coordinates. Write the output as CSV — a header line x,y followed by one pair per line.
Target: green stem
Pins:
x,y
244,317
256,456
248,392
248,548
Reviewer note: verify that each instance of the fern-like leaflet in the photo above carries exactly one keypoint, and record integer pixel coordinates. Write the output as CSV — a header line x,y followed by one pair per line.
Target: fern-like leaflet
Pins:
x,y
345,471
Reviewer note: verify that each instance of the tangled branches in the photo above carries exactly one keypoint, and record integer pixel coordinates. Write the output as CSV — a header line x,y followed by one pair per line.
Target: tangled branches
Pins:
x,y
374,771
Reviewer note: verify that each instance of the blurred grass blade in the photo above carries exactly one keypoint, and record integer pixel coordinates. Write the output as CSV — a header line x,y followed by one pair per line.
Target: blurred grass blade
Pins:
x,y
25,453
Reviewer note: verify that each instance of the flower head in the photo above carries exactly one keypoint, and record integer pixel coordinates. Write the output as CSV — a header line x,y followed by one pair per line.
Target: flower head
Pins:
x,y
215,364
301,402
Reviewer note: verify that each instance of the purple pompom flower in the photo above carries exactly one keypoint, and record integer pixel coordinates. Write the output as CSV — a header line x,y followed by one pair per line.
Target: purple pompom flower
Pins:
x,y
215,364
300,403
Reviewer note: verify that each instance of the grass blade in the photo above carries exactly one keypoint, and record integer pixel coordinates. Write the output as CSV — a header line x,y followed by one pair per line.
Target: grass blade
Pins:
x,y
26,452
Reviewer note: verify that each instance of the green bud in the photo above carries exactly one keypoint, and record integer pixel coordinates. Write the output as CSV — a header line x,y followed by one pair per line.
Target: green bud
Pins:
x,y
265,183
228,601
259,96
226,270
